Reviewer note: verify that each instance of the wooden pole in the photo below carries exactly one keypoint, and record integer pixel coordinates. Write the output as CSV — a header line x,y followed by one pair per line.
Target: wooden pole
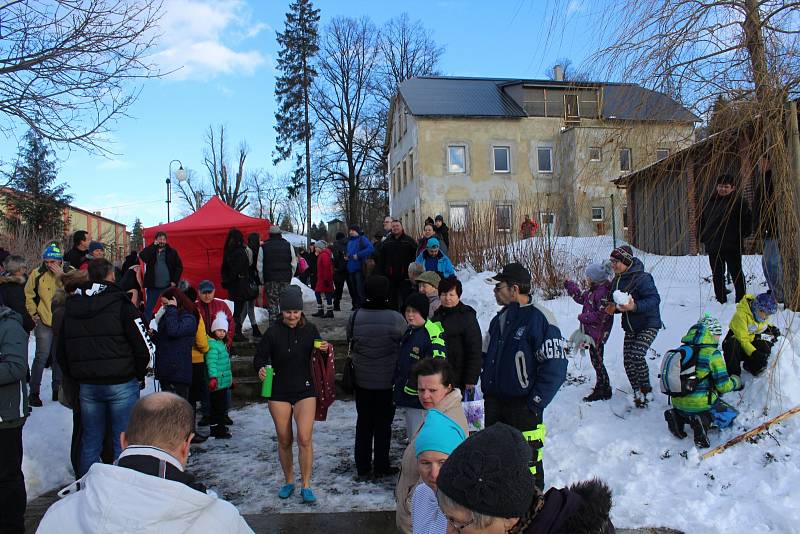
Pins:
x,y
750,433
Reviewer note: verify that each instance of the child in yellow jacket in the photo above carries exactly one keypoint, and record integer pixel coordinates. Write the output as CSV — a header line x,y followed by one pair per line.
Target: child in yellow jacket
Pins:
x,y
751,335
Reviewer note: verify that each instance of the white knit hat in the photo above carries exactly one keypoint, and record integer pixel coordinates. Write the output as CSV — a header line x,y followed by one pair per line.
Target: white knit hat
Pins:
x,y
220,322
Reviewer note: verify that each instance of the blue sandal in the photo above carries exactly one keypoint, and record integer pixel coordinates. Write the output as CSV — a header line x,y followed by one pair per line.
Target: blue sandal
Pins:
x,y
286,491
308,496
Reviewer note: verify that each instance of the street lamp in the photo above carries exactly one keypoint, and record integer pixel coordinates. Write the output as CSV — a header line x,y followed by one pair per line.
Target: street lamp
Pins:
x,y
180,175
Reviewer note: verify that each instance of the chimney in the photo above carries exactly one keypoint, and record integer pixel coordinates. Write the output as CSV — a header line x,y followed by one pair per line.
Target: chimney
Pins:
x,y
98,213
558,73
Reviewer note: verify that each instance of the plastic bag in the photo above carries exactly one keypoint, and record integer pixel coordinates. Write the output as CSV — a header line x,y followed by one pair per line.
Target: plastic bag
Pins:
x,y
473,409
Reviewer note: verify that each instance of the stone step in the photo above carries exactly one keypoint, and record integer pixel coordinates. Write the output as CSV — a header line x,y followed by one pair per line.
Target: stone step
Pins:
x,y
243,349
242,366
247,389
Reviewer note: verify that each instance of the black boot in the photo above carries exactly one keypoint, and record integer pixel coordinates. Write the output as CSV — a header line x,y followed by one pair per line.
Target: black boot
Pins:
x,y
699,426
220,432
675,423
599,393
320,312
329,314
34,400
199,438
336,307
256,331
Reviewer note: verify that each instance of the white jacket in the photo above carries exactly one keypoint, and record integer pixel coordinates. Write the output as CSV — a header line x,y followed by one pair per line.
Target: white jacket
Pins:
x,y
119,500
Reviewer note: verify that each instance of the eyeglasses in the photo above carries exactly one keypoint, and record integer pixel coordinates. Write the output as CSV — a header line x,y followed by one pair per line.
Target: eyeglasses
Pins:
x,y
458,527
614,260
498,287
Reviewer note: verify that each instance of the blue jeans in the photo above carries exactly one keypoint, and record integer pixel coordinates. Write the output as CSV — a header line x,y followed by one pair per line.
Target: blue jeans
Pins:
x,y
773,268
103,405
44,342
152,295
356,287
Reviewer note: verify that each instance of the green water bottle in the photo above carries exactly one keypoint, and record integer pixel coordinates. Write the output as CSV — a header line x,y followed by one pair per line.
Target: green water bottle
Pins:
x,y
266,386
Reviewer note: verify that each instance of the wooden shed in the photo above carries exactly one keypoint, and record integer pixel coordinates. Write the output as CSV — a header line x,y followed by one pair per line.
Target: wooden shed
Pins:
x,y
666,198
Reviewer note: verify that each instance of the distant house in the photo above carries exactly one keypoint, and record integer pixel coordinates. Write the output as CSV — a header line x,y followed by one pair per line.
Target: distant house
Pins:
x,y
113,234
545,148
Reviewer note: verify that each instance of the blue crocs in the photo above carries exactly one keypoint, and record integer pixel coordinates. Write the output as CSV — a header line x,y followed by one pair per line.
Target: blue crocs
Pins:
x,y
286,491
308,496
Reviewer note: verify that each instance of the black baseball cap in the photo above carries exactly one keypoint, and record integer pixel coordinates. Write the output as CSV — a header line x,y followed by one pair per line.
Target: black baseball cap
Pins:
x,y
514,273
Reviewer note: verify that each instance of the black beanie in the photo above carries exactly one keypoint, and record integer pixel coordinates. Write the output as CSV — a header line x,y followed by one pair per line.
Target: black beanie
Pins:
x,y
489,473
291,298
376,288
419,302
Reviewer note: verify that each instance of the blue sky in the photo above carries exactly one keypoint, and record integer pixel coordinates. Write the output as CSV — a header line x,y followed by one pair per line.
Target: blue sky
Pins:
x,y
226,51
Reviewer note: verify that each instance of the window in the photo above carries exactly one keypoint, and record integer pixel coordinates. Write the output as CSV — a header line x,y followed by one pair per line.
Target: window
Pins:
x,y
457,159
625,217
402,171
545,157
458,217
547,218
595,154
501,159
503,217
662,153
571,107
624,159
598,213
410,166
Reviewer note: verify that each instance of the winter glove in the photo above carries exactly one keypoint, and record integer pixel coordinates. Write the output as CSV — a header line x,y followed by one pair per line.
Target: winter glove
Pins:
x,y
611,309
773,331
212,384
763,345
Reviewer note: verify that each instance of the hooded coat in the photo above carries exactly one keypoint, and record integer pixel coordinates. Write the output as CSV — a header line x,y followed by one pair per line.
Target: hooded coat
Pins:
x,y
640,285
176,335
462,334
13,370
744,325
118,499
12,294
324,272
583,508
593,317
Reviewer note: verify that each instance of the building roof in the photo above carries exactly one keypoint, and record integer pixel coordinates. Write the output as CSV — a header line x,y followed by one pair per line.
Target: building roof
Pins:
x,y
442,96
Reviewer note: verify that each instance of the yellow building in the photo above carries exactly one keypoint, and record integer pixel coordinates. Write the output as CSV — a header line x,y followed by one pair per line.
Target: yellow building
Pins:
x,y
113,234
545,148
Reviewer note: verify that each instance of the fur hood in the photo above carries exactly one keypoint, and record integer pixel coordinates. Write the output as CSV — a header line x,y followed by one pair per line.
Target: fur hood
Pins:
x,y
13,279
583,508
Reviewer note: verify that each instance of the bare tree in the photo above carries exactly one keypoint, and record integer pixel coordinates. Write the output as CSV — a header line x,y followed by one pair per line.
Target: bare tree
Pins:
x,y
232,190
69,67
345,105
268,195
407,50
192,191
296,207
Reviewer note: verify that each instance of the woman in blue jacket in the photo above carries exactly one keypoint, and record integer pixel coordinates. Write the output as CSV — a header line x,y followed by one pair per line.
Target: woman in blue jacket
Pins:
x,y
174,339
433,259
641,318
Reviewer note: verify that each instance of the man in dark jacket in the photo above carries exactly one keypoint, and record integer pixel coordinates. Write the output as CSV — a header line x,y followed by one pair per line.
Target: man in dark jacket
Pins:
x,y
524,363
12,289
163,269
105,348
724,224
276,264
442,230
13,412
397,251
80,245
339,269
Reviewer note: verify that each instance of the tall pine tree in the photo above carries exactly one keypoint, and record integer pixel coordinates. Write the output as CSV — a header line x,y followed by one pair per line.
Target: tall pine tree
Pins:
x,y
35,200
137,235
298,46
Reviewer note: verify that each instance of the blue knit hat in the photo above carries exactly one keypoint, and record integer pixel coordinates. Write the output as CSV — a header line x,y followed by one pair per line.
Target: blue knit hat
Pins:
x,y
432,242
439,433
765,303
95,245
52,252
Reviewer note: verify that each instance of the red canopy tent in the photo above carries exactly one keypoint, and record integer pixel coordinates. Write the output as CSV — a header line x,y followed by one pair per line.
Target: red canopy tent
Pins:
x,y
200,238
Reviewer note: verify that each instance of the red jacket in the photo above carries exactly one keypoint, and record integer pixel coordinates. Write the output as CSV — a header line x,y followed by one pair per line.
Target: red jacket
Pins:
x,y
324,272
323,374
210,311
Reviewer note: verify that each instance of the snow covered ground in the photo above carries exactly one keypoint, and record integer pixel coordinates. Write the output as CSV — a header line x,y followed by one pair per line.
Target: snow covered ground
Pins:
x,y
656,478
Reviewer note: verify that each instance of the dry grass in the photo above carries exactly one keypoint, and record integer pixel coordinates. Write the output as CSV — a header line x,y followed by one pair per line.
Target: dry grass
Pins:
x,y
22,241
